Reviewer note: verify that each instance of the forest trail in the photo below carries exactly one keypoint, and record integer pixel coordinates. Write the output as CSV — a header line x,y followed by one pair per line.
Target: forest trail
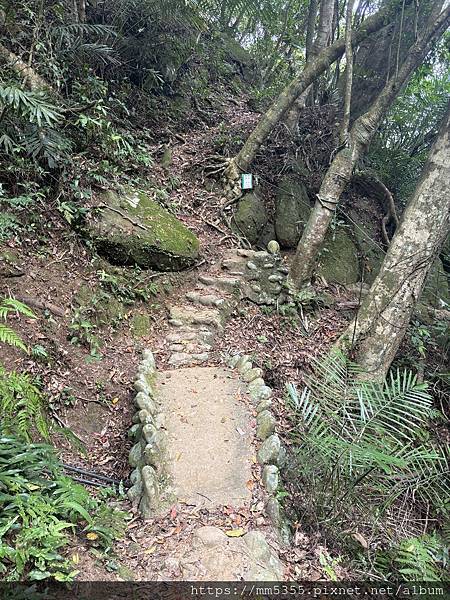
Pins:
x,y
210,427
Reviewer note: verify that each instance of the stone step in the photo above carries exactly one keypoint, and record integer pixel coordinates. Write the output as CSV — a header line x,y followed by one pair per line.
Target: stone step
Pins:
x,y
184,359
224,284
191,315
205,300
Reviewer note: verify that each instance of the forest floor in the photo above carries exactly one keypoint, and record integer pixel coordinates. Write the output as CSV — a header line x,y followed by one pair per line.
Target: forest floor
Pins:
x,y
88,372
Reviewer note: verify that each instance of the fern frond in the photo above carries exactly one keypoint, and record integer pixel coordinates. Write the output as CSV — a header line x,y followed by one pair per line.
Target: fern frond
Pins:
x,y
16,305
34,107
11,338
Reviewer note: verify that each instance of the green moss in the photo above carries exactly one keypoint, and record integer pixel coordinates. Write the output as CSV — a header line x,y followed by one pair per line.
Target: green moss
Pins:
x,y
134,229
140,325
338,260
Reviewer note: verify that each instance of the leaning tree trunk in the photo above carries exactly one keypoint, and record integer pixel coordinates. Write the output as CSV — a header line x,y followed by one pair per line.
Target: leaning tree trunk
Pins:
x,y
292,91
341,168
385,313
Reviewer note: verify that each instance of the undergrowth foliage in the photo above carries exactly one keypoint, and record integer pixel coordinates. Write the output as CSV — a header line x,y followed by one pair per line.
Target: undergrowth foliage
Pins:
x,y
364,455
40,508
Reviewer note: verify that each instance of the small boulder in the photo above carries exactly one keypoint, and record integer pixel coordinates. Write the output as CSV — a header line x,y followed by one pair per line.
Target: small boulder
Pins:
x,y
338,261
132,229
250,217
292,209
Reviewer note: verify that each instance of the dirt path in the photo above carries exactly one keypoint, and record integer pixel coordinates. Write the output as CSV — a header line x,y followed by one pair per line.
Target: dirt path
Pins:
x,y
198,442
210,434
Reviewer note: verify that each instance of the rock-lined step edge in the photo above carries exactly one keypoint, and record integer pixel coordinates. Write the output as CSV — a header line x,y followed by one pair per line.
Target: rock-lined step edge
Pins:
x,y
271,453
151,490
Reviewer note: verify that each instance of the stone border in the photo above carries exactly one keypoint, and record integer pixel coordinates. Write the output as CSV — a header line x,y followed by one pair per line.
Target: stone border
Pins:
x,y
271,454
150,489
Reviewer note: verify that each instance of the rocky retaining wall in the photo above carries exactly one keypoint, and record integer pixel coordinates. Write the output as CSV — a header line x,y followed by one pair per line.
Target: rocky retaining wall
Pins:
x,y
271,453
150,482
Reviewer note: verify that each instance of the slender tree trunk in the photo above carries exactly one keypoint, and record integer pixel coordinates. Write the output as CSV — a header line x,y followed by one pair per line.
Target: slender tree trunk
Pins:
x,y
292,91
325,25
311,27
348,72
321,41
385,313
341,168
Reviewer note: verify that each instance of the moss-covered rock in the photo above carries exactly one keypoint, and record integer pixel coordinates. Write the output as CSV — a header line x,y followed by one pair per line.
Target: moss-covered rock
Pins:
x,y
250,217
292,210
132,229
338,261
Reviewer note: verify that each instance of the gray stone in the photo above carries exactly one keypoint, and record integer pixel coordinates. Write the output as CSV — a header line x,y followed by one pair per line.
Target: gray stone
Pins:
x,y
267,234
276,278
176,322
141,385
149,431
250,217
135,431
135,456
273,510
282,457
338,261
144,402
265,424
269,450
257,546
210,536
256,384
251,266
251,375
245,358
133,229
261,392
264,405
233,360
292,209
134,493
244,367
270,478
144,417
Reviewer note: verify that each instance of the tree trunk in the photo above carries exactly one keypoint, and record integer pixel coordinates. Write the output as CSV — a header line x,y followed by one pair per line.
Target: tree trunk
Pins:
x,y
321,41
292,91
376,59
348,72
32,79
385,313
341,168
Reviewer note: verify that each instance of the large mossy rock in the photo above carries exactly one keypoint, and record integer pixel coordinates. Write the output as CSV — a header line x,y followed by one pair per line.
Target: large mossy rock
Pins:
x,y
250,217
338,261
292,209
132,229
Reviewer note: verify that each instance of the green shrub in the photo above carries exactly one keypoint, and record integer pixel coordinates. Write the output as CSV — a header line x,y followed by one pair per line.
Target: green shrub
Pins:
x,y
363,452
39,509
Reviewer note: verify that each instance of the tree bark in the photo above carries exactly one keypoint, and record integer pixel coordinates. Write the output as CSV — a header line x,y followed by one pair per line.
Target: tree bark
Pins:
x,y
376,58
385,313
341,168
321,41
32,79
348,72
292,91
